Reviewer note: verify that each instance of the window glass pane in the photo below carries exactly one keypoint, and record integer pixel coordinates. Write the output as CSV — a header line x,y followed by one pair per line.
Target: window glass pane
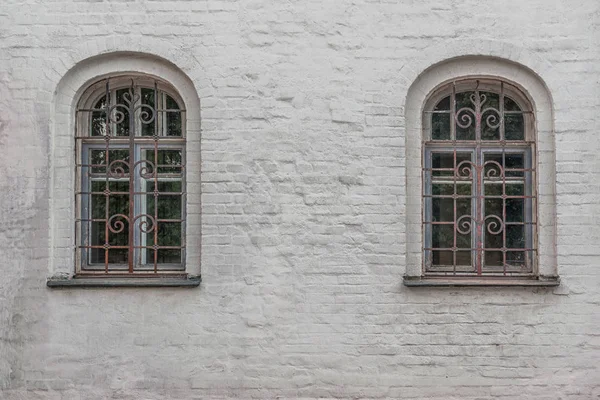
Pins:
x,y
493,234
463,189
515,236
169,161
443,104
167,205
442,236
442,189
463,207
510,104
514,210
493,188
440,126
168,234
515,189
98,119
173,118
493,207
514,161
117,159
516,261
514,127
118,229
494,259
442,257
442,209
464,241
443,164
169,200
464,258
147,121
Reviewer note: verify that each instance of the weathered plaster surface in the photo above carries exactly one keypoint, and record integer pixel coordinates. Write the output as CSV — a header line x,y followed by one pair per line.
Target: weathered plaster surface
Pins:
x,y
304,208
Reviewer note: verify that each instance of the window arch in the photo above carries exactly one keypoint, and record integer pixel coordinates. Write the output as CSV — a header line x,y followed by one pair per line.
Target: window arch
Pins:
x,y
479,197
426,134
81,87
130,145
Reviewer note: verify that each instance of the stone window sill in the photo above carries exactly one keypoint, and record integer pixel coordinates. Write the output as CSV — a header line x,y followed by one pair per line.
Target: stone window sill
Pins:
x,y
109,282
425,281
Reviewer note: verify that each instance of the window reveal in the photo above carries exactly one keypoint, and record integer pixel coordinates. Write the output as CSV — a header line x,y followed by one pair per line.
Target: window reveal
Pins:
x,y
479,174
132,186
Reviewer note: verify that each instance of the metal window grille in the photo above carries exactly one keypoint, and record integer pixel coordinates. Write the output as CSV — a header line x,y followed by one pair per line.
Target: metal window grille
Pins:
x,y
131,181
479,200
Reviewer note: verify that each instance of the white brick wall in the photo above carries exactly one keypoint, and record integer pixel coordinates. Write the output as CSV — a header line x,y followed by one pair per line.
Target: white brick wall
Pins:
x,y
304,207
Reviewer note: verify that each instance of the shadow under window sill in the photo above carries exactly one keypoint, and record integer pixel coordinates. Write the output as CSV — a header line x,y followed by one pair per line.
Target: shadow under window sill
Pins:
x,y
439,281
183,281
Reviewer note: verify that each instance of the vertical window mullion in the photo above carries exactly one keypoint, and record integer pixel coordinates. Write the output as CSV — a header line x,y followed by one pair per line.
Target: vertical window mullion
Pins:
x,y
480,211
86,207
474,209
454,211
427,209
112,97
503,175
137,207
530,216
502,133
454,175
453,113
137,181
163,118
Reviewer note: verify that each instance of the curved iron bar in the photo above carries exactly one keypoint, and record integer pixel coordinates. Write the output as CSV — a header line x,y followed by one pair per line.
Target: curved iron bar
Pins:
x,y
464,167
482,99
119,226
144,224
465,117
493,120
493,173
118,171
131,98
464,227
148,171
147,113
115,115
495,226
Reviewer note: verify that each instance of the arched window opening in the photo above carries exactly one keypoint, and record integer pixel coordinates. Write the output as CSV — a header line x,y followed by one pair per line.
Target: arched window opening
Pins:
x,y
130,144
479,180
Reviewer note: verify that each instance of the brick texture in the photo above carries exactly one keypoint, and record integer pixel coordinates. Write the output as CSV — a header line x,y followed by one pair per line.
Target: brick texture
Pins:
x,y
303,200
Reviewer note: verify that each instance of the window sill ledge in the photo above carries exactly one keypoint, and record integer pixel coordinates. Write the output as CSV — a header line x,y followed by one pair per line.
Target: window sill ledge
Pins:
x,y
109,282
420,281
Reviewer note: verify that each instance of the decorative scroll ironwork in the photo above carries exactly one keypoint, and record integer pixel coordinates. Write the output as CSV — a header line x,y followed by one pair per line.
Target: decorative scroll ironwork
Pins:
x,y
132,188
465,116
479,210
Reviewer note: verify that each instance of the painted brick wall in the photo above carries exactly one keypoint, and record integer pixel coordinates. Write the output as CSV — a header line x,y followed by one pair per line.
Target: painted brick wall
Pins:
x,y
303,179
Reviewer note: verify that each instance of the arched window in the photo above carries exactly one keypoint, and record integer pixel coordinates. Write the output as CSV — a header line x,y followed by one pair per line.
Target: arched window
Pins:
x,y
130,143
479,180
